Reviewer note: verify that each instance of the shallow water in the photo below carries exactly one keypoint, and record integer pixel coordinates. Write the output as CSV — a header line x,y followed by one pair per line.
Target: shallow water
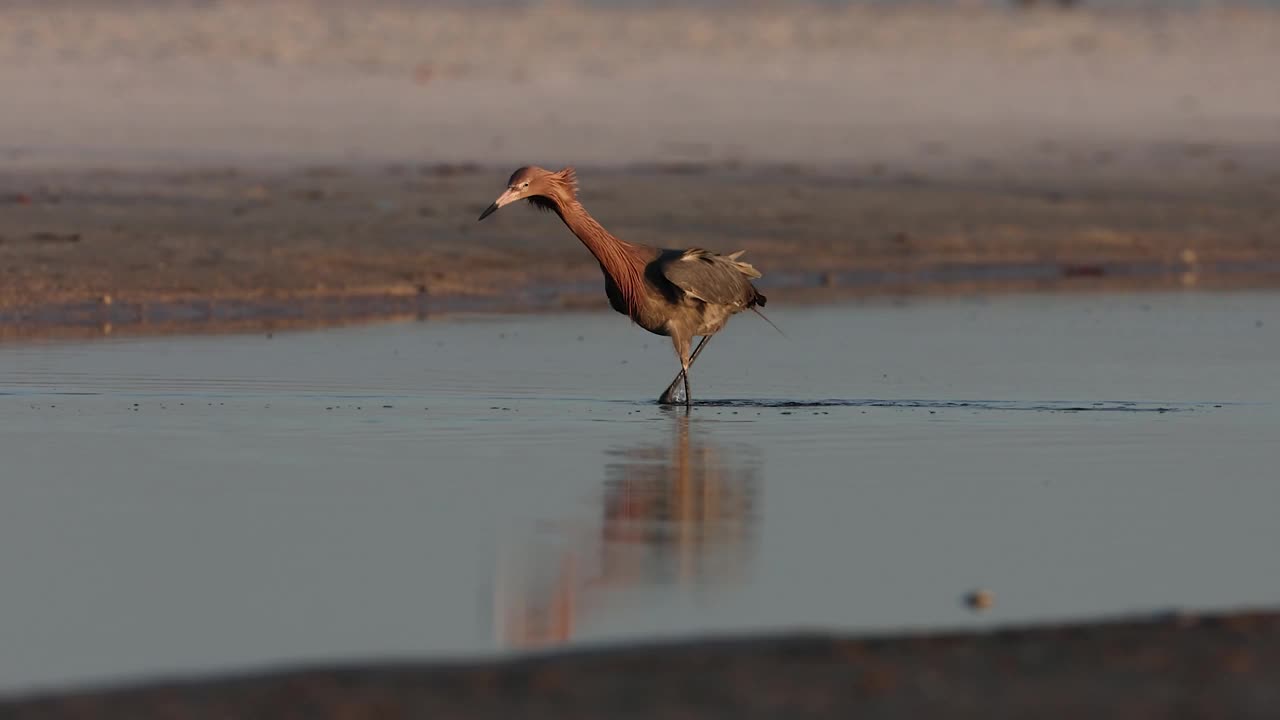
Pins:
x,y
183,504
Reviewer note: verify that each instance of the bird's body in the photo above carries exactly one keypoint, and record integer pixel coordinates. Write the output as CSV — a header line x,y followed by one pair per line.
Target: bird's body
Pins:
x,y
682,293
688,290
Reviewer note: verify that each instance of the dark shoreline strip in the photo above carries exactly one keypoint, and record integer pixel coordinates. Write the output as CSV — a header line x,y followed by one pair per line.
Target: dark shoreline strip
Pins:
x,y
1177,665
234,314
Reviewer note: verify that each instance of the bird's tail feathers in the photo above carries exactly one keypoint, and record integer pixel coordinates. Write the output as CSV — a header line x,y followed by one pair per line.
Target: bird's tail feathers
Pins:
x,y
743,267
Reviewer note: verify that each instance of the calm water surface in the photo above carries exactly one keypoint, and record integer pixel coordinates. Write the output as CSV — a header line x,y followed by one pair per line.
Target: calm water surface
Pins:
x,y
453,487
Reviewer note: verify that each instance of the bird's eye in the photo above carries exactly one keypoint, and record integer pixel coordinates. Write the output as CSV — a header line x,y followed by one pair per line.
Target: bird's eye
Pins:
x,y
525,185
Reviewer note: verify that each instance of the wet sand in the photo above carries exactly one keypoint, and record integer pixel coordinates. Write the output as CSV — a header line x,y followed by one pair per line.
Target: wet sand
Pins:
x,y
95,252
1188,666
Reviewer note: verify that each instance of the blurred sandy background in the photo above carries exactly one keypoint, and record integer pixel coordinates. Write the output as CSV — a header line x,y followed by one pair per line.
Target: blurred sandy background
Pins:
x,y
955,88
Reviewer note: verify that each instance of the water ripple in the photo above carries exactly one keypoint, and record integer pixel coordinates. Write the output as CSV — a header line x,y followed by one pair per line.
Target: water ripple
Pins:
x,y
1075,406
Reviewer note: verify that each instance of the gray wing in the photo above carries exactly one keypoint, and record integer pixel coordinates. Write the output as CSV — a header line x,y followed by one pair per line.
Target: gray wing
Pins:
x,y
712,278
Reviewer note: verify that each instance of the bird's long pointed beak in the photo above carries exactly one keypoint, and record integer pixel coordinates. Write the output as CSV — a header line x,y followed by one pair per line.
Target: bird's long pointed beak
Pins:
x,y
505,198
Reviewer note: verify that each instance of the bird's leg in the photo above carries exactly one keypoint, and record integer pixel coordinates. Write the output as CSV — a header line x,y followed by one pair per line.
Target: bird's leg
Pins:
x,y
669,395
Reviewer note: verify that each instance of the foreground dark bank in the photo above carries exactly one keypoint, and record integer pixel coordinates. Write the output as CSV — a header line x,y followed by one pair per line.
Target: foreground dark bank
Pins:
x,y
1175,666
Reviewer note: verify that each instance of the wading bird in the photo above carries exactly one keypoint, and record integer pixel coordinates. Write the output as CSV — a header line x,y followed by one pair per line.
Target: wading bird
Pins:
x,y
679,293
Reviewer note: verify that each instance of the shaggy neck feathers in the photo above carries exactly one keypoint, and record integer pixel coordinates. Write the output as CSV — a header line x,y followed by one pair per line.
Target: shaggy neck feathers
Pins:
x,y
622,261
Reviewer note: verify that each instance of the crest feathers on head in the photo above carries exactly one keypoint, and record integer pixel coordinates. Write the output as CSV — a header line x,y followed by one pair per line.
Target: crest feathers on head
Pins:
x,y
568,178
563,184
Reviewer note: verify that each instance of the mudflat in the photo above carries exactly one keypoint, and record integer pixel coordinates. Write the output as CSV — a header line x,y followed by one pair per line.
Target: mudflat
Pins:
x,y
165,249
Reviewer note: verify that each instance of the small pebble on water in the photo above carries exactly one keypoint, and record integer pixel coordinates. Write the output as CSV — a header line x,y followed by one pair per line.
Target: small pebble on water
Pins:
x,y
979,600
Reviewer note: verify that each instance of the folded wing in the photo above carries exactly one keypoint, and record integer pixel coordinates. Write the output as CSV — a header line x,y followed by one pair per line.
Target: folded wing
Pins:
x,y
713,278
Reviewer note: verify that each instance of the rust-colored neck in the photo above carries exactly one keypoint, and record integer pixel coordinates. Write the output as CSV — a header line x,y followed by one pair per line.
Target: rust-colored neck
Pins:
x,y
621,260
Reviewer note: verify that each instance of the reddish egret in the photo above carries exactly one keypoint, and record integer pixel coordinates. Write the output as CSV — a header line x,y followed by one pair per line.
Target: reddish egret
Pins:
x,y
679,293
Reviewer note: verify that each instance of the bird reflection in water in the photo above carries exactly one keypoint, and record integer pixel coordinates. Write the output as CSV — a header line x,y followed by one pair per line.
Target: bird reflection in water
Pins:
x,y
678,515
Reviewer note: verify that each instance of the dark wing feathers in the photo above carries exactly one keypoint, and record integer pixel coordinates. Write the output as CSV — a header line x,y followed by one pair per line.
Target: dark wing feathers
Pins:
x,y
712,278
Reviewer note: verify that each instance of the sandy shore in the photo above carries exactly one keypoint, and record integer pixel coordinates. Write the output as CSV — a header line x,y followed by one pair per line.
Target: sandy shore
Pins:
x,y
236,165
198,165
1183,666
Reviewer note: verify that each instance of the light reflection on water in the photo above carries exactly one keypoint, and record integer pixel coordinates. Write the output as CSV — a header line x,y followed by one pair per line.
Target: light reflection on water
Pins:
x,y
672,515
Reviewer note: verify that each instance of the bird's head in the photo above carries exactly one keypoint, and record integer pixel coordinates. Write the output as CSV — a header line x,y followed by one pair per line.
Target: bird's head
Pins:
x,y
541,187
